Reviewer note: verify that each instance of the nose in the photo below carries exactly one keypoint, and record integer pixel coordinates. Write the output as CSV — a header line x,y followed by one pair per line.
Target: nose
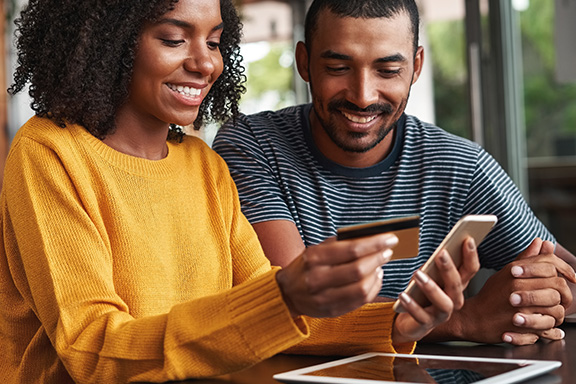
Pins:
x,y
203,61
364,91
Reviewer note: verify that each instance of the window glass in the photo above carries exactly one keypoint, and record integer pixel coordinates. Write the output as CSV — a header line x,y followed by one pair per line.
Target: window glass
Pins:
x,y
550,111
447,52
549,104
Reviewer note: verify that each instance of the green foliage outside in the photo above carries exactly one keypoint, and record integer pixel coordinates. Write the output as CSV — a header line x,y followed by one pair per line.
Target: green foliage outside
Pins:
x,y
550,108
448,54
269,80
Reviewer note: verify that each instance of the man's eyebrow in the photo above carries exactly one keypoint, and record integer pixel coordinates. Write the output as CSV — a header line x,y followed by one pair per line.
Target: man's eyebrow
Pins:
x,y
185,24
329,54
396,58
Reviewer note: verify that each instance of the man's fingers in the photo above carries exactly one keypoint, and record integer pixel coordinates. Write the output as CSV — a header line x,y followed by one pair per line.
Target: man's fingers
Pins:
x,y
520,338
515,338
548,265
534,270
553,334
533,249
547,247
535,321
538,298
528,292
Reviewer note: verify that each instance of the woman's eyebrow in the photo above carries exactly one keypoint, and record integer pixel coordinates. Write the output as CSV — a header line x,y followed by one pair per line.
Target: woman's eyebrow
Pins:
x,y
185,24
176,22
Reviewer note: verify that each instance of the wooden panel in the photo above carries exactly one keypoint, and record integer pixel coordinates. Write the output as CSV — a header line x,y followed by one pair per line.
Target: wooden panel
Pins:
x,y
564,32
553,198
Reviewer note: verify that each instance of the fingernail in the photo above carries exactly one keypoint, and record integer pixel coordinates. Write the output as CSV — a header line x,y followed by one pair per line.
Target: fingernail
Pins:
x,y
519,320
421,276
515,299
471,244
380,273
507,338
386,256
517,271
405,298
562,333
443,257
392,240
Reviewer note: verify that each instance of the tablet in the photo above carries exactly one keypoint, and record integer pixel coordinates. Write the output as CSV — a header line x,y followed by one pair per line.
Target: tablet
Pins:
x,y
373,368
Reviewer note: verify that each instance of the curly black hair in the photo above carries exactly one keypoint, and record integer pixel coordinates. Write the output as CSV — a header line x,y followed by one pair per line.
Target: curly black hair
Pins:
x,y
78,57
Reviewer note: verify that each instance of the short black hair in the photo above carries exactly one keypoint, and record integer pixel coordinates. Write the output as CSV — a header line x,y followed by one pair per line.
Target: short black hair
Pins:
x,y
78,57
368,9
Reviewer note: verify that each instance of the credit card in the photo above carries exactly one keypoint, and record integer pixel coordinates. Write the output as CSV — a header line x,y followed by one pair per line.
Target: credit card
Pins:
x,y
407,229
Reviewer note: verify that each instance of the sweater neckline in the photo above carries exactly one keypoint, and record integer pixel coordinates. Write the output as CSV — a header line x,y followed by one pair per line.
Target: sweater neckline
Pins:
x,y
135,165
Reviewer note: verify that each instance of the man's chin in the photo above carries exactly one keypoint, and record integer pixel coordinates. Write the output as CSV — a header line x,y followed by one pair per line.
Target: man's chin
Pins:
x,y
356,149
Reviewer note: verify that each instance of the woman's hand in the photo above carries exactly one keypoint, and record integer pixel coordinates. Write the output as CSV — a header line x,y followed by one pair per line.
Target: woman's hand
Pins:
x,y
417,322
335,277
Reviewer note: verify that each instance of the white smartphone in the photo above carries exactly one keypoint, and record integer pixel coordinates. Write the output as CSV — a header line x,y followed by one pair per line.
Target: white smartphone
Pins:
x,y
475,226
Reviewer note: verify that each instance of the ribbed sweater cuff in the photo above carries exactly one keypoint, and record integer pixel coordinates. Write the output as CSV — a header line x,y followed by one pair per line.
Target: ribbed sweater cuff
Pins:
x,y
378,319
259,312
367,329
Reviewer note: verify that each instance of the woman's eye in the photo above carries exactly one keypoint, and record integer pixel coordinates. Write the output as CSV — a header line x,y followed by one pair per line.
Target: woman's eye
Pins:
x,y
172,43
213,45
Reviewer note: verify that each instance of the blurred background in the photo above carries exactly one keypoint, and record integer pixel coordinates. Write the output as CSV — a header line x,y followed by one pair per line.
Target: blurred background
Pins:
x,y
499,72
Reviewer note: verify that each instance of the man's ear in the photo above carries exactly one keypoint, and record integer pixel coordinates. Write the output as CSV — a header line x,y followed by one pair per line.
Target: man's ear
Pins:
x,y
302,61
418,63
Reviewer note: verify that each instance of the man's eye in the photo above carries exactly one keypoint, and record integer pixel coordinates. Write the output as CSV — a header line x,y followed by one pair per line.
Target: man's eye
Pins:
x,y
336,69
390,72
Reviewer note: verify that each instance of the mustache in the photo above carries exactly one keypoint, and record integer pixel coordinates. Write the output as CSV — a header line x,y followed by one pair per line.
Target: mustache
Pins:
x,y
336,105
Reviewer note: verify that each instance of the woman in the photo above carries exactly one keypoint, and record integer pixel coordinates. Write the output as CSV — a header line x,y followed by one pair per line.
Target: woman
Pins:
x,y
124,255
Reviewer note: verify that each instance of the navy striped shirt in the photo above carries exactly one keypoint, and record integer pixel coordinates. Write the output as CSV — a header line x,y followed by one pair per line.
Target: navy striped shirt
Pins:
x,y
281,175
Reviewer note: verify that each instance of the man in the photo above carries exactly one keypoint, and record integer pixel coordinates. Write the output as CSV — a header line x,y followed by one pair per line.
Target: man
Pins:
x,y
353,156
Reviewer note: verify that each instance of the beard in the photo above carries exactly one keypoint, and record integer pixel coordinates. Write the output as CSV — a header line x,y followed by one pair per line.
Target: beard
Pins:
x,y
358,142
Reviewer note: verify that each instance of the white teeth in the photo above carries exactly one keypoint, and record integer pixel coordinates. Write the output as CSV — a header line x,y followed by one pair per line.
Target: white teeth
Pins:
x,y
187,91
359,119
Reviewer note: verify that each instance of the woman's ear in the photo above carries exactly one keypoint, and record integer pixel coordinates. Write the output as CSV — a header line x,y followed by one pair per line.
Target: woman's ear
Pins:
x,y
302,61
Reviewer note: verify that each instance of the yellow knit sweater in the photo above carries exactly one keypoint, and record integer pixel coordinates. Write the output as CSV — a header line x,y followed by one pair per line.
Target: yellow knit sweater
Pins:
x,y
116,269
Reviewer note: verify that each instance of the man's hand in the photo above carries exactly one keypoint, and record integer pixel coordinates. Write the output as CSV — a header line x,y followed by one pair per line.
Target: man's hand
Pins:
x,y
521,303
542,294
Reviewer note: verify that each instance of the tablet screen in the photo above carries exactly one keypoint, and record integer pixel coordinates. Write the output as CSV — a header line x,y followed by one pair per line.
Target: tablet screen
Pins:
x,y
397,368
